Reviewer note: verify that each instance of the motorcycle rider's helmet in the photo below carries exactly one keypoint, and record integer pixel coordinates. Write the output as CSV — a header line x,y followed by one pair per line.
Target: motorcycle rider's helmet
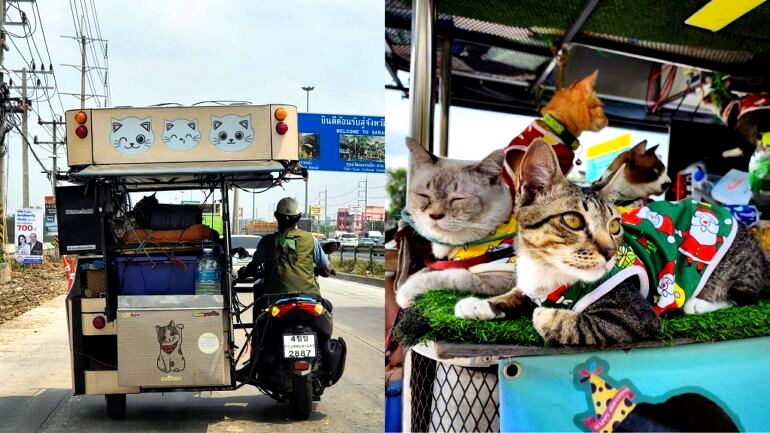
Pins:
x,y
287,212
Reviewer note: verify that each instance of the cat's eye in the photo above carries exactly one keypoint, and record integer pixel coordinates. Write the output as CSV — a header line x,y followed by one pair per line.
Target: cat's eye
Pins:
x,y
140,138
223,135
573,220
615,227
239,135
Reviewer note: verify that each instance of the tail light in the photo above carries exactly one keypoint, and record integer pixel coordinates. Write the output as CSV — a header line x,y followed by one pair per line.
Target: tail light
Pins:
x,y
99,322
81,131
312,308
301,365
280,114
81,117
281,128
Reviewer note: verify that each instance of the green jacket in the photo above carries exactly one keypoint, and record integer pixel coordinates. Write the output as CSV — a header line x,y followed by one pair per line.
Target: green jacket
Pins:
x,y
290,268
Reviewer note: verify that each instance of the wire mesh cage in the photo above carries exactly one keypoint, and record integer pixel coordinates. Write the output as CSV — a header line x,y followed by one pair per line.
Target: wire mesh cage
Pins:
x,y
450,398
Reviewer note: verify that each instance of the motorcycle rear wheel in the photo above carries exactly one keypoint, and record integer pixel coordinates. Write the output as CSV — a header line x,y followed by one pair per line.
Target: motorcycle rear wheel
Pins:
x,y
301,398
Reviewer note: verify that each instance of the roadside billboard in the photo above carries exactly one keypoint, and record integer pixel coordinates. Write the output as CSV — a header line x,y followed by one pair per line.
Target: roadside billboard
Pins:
x,y
28,236
51,224
337,142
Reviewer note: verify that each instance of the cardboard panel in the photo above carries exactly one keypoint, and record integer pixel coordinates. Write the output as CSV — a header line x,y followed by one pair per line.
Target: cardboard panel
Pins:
x,y
182,134
196,359
106,382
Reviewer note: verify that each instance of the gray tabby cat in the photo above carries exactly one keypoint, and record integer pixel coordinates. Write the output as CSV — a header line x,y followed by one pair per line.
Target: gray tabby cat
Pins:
x,y
569,234
456,202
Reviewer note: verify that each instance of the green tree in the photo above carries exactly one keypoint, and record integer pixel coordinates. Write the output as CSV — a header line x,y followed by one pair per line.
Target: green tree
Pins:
x,y
396,189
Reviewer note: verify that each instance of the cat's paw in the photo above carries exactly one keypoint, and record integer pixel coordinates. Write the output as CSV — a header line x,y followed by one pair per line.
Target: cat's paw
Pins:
x,y
475,308
700,306
406,294
555,325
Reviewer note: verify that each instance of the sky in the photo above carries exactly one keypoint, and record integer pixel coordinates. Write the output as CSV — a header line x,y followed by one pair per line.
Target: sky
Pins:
x,y
189,51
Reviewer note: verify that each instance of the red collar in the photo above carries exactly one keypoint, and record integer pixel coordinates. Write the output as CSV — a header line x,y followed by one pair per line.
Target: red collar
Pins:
x,y
168,348
555,294
440,265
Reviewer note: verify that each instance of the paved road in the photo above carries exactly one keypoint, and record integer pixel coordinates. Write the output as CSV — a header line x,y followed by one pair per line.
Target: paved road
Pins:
x,y
35,382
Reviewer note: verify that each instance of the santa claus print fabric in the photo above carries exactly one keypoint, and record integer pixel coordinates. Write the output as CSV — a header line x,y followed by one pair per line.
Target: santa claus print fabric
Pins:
x,y
680,244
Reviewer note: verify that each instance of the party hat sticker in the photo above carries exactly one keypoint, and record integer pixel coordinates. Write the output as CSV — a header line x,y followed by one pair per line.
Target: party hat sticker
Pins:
x,y
612,405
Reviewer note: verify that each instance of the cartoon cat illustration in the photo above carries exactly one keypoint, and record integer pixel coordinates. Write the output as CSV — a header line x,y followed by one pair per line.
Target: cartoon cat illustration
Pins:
x,y
231,133
170,357
181,134
131,135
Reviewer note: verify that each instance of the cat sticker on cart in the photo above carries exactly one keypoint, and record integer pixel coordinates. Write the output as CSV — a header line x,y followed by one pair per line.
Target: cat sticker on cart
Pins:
x,y
231,132
131,135
170,357
181,134
615,408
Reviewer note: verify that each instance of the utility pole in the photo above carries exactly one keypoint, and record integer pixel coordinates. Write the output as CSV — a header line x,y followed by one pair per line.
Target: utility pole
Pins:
x,y
3,149
54,170
236,208
84,68
25,127
365,200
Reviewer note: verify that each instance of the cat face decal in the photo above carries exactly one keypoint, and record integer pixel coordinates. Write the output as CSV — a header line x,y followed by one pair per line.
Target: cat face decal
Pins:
x,y
181,134
231,133
131,135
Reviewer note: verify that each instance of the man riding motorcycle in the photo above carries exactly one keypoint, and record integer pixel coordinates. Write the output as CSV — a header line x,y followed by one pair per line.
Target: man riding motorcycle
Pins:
x,y
291,257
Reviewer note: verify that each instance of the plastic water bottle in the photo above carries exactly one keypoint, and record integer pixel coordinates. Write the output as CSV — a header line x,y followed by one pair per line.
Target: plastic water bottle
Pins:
x,y
207,274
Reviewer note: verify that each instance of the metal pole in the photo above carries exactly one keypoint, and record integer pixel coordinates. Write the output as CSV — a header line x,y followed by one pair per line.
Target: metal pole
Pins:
x,y
306,184
3,149
326,207
445,95
366,200
24,143
82,72
236,213
54,169
421,72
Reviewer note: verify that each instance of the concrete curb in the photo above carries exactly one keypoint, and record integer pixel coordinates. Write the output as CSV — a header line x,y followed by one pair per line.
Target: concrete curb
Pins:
x,y
376,282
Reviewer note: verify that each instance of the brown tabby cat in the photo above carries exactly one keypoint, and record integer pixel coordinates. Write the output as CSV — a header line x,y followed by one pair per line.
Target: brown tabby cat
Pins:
x,y
570,234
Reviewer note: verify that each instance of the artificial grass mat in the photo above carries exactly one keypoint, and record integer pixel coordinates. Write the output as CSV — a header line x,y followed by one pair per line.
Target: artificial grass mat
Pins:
x,y
432,319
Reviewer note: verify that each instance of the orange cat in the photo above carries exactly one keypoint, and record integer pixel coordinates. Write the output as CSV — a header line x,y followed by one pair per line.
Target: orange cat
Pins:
x,y
571,111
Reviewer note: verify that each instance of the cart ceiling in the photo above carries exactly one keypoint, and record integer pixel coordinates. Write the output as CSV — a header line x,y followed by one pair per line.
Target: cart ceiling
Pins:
x,y
181,168
511,42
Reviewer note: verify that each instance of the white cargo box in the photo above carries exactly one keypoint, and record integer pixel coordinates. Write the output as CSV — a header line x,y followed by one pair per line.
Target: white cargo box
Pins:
x,y
182,134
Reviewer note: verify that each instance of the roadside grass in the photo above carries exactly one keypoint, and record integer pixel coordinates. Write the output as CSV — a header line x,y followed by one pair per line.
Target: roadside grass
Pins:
x,y
361,267
432,319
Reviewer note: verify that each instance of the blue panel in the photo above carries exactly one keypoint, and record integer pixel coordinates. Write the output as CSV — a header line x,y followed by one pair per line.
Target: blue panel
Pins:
x,y
715,384
336,142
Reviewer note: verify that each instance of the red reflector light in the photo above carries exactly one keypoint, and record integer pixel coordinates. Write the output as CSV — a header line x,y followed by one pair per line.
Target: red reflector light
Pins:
x,y
99,322
81,131
301,365
281,128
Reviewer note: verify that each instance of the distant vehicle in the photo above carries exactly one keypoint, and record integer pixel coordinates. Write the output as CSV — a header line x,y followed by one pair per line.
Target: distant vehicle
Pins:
x,y
366,242
379,240
247,242
374,234
348,239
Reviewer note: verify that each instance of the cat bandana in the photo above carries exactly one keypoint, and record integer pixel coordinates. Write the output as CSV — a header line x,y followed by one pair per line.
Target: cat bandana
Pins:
x,y
674,245
554,133
756,101
494,254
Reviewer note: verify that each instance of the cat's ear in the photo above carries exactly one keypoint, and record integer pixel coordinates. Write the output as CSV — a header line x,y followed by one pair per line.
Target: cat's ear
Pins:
x,y
651,151
169,125
116,125
640,148
217,124
245,122
420,155
146,124
171,324
612,186
491,166
193,125
588,83
538,173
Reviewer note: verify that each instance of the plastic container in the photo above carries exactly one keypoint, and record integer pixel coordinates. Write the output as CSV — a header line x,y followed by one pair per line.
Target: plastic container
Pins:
x,y
207,274
393,406
156,275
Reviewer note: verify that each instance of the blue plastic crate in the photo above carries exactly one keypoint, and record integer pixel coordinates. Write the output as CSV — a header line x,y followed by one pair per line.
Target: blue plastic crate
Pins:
x,y
156,275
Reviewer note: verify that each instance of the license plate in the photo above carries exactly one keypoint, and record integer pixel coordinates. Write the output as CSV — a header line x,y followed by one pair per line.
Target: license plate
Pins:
x,y
299,346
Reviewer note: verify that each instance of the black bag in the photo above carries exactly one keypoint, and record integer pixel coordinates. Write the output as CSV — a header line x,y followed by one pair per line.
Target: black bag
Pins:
x,y
150,214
